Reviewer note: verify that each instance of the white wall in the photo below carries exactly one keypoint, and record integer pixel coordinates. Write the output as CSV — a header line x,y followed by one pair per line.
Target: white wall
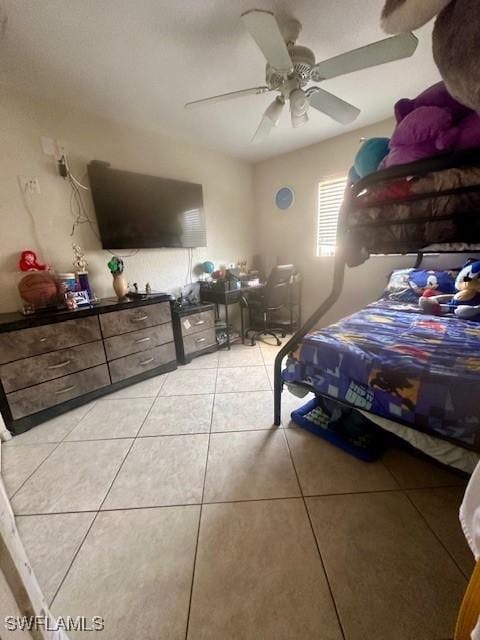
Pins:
x,y
290,236
227,185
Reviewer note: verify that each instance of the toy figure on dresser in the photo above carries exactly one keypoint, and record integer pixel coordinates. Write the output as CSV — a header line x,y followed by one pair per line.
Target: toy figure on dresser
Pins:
x,y
29,262
70,301
38,289
119,283
242,266
80,264
137,294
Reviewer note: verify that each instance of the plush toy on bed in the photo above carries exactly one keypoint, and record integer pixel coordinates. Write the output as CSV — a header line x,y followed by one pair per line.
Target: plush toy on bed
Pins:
x,y
465,303
454,40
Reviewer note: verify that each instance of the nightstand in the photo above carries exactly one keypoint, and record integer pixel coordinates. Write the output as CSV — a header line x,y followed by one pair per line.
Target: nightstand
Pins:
x,y
194,331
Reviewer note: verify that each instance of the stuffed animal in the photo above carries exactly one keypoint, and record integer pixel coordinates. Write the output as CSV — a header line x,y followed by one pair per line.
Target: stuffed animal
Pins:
x,y
29,262
430,124
455,40
428,283
465,303
368,157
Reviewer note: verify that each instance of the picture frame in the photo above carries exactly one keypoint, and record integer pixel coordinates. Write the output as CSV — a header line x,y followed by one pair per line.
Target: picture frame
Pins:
x,y
81,297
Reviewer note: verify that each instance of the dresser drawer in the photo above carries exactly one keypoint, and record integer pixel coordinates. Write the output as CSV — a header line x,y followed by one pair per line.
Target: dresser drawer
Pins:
x,y
41,396
24,343
118,322
129,366
135,341
199,341
31,371
197,322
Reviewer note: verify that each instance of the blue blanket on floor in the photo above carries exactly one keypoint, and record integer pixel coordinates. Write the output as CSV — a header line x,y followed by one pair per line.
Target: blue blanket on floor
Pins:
x,y
397,363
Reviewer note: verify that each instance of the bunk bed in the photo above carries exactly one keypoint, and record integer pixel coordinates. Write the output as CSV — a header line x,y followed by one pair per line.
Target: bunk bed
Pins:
x,y
413,374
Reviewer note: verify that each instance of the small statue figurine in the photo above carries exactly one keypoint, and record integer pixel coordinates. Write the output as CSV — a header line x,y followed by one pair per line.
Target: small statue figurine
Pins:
x,y
70,301
29,262
148,289
119,283
80,262
135,287
242,266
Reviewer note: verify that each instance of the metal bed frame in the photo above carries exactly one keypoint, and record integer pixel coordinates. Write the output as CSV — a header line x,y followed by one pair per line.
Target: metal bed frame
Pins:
x,y
428,165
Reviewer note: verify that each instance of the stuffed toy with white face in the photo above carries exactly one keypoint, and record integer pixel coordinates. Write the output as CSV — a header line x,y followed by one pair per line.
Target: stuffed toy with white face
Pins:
x,y
465,303
455,40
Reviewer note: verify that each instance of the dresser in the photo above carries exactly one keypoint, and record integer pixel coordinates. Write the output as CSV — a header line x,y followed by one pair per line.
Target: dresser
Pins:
x,y
52,362
194,330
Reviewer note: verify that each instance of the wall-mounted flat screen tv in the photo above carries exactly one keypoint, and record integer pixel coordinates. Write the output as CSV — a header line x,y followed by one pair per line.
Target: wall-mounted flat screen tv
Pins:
x,y
136,211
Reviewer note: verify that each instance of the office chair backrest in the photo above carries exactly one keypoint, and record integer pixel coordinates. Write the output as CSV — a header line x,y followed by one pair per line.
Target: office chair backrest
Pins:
x,y
277,290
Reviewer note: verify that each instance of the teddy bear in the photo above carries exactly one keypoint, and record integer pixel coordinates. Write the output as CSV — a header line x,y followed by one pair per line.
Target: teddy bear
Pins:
x,y
465,303
432,123
454,40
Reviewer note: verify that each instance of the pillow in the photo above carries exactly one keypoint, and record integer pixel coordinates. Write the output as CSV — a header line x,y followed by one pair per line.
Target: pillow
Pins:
x,y
407,285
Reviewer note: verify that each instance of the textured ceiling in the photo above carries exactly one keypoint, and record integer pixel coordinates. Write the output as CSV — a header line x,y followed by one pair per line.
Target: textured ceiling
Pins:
x,y
139,61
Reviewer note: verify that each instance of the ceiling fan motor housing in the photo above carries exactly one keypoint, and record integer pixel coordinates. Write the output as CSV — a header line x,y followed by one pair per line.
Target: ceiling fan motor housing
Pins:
x,y
303,59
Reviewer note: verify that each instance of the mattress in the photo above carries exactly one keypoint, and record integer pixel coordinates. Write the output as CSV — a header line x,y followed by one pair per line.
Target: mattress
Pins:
x,y
406,214
390,360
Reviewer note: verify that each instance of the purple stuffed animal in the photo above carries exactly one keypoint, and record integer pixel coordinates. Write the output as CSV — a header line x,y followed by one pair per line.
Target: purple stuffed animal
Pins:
x,y
430,124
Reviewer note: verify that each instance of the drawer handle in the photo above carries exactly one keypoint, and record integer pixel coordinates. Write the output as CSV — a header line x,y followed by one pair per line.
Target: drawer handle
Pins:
x,y
199,322
43,339
72,386
147,361
140,318
142,340
59,365
200,339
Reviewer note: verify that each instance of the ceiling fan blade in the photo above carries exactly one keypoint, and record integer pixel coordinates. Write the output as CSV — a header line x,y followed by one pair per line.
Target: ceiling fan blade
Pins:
x,y
226,96
264,29
263,130
332,106
269,120
387,50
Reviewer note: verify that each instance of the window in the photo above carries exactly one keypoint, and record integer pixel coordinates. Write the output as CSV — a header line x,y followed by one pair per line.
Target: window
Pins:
x,y
330,198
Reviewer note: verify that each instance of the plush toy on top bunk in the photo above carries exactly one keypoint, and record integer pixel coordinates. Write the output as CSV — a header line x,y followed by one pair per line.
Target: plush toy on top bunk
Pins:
x,y
368,158
430,124
465,303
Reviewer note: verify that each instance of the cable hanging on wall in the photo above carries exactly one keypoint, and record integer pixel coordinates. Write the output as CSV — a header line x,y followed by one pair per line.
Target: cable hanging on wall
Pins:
x,y
81,215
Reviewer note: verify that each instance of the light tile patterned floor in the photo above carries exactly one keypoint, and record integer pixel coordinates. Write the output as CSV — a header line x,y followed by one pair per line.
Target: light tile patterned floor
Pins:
x,y
175,510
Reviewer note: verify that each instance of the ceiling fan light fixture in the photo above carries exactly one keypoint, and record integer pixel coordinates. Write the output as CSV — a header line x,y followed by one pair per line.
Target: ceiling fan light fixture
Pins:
x,y
298,108
299,120
274,110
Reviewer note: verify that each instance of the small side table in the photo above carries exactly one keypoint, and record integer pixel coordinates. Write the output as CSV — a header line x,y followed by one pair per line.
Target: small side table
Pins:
x,y
194,331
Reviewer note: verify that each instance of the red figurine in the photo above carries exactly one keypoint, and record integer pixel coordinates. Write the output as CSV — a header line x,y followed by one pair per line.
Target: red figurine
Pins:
x,y
28,262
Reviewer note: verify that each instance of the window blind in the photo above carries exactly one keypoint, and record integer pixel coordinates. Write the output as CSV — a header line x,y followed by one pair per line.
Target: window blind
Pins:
x,y
330,198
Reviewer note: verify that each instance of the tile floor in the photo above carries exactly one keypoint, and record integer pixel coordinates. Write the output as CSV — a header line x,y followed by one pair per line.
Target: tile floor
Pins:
x,y
174,510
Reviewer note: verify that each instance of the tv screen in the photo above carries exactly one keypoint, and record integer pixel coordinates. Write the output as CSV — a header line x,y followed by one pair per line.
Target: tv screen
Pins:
x,y
136,211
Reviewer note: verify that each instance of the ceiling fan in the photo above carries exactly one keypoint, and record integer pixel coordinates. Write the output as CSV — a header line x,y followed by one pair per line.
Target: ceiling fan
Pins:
x,y
290,67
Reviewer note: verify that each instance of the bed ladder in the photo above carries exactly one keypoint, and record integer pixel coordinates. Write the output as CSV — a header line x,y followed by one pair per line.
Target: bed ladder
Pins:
x,y
330,300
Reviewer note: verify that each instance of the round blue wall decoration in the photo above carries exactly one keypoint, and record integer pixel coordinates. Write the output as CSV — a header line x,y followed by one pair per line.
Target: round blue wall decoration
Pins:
x,y
284,198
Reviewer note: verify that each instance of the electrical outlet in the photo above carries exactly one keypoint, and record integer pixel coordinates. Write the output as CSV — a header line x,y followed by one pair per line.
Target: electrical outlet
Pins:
x,y
29,185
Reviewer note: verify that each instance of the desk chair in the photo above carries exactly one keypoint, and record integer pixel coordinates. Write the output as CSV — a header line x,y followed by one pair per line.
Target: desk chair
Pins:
x,y
269,300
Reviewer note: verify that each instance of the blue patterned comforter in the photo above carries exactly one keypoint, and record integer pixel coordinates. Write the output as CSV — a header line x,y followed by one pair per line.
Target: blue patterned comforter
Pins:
x,y
395,362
